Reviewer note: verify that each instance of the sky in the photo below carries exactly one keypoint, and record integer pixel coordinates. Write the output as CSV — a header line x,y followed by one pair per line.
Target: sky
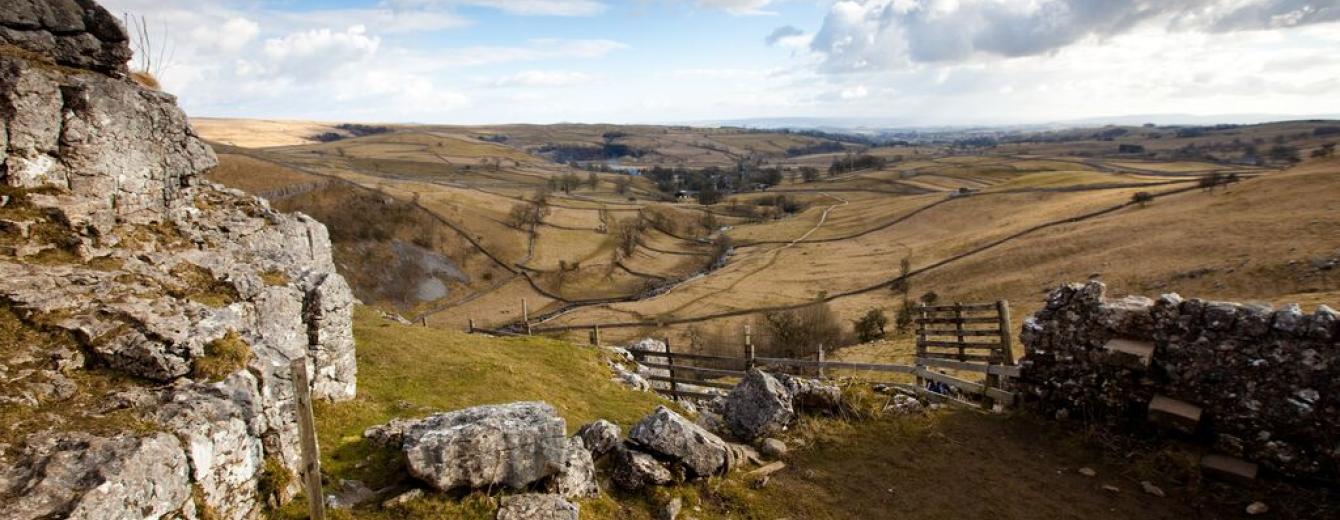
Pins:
x,y
911,62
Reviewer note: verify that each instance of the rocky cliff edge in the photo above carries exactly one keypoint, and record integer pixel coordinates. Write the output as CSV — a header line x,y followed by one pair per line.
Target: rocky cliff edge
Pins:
x,y
147,318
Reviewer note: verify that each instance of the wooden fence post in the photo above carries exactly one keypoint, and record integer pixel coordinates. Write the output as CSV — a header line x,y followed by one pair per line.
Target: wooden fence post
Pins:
x,y
311,458
1006,334
595,335
423,320
921,343
670,360
472,325
958,327
821,361
525,314
748,350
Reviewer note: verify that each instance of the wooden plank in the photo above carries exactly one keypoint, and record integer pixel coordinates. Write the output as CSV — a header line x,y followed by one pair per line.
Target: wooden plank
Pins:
x,y
670,361
1000,370
981,333
956,357
686,393
874,367
765,471
695,382
966,386
696,370
961,306
963,344
638,353
1229,468
956,320
311,456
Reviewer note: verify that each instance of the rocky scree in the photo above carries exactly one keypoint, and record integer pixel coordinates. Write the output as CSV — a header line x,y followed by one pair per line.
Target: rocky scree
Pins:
x,y
147,374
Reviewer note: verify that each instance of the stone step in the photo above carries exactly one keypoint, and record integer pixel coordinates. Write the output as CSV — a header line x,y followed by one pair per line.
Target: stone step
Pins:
x,y
1230,468
1130,353
1178,415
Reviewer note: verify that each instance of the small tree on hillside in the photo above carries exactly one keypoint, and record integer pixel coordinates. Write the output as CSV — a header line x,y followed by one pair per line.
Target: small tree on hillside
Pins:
x,y
592,181
1143,198
798,333
623,185
871,326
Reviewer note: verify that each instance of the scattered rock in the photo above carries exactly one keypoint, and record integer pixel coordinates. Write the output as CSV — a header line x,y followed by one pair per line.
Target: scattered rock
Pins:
x,y
1151,489
600,436
1088,472
1111,488
671,509
389,435
402,499
349,493
758,406
772,448
1258,508
668,434
633,470
902,404
577,479
535,506
509,445
812,395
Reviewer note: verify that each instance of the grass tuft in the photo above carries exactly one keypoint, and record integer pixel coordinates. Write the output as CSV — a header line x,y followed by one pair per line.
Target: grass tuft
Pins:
x,y
222,358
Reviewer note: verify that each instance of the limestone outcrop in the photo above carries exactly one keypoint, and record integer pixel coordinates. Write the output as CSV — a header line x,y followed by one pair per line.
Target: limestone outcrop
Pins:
x,y
149,317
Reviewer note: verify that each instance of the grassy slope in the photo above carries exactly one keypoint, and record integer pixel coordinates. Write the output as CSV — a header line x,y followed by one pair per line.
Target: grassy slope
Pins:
x,y
950,464
409,371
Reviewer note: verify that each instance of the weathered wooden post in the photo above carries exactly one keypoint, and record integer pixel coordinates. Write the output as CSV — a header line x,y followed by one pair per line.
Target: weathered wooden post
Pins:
x,y
958,328
670,360
1006,355
595,335
821,361
423,320
472,325
311,457
525,314
921,330
748,350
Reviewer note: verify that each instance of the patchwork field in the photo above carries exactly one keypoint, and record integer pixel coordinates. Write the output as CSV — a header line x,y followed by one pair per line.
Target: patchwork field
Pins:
x,y
1003,223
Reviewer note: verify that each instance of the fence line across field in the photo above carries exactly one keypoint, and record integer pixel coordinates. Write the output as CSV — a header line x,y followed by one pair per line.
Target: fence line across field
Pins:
x,y
995,360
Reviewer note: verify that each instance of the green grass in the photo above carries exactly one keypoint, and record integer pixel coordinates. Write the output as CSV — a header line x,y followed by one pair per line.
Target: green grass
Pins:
x,y
411,371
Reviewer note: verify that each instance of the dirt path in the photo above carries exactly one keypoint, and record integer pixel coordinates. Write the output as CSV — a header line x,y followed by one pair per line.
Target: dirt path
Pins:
x,y
775,252
957,465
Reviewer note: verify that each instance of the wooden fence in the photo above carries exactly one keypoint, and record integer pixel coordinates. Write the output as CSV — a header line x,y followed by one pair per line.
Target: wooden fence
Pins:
x,y
950,337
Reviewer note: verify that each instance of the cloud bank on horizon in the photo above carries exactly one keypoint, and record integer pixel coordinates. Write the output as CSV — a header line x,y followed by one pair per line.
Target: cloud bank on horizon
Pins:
x,y
916,61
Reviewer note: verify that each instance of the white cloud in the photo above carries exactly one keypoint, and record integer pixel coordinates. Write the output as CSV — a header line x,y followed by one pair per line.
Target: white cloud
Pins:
x,y
881,34
536,49
544,78
739,7
319,53
517,7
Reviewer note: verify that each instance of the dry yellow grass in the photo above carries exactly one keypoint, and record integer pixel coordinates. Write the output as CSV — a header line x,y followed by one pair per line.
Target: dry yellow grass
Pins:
x,y
257,133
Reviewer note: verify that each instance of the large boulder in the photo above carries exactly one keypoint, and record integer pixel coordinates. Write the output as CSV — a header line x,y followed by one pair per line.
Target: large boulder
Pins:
x,y
670,435
510,445
534,506
759,406
632,469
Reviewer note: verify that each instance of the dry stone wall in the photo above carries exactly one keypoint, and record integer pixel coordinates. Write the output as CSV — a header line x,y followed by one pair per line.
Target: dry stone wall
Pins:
x,y
1254,382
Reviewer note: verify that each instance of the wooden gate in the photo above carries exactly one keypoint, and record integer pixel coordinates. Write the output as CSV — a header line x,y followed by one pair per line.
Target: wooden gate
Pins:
x,y
972,337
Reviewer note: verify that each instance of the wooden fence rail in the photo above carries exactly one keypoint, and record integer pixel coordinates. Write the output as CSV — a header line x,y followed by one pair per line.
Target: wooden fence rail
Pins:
x,y
941,348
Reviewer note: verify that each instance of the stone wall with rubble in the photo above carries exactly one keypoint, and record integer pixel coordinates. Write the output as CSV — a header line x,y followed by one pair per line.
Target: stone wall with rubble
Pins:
x,y
1265,381
147,319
